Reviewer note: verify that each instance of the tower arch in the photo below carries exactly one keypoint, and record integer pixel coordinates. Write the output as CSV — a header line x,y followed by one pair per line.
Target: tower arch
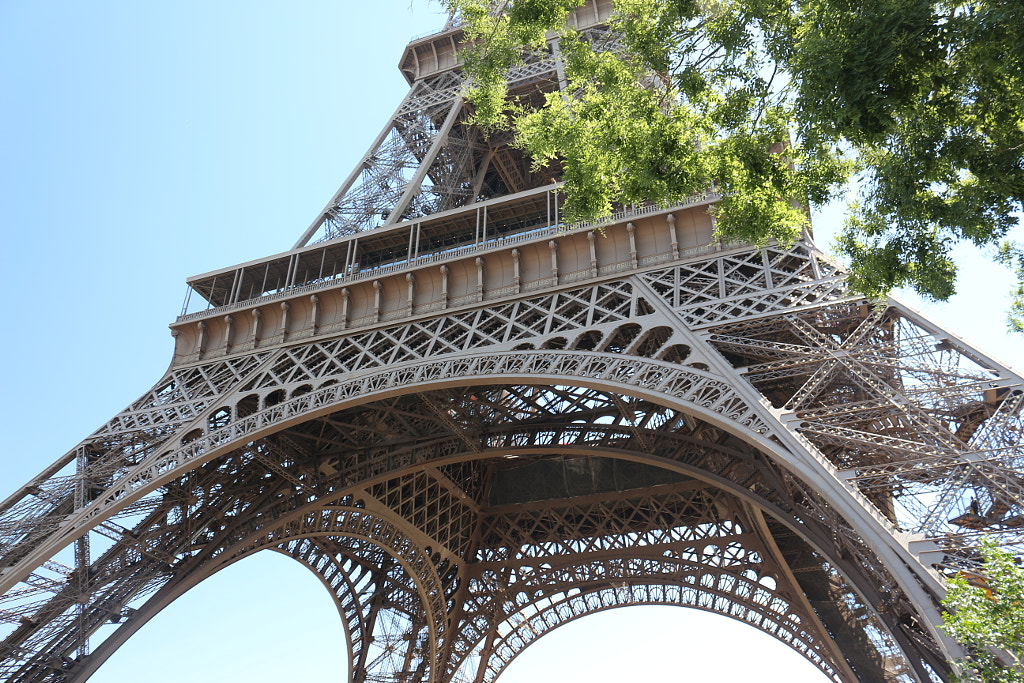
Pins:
x,y
459,359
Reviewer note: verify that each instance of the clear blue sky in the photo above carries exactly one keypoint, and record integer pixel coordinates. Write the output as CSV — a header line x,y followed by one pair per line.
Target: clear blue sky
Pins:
x,y
144,142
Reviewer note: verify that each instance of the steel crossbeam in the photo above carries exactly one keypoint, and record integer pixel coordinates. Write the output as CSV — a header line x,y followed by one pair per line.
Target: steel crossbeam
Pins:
x,y
521,423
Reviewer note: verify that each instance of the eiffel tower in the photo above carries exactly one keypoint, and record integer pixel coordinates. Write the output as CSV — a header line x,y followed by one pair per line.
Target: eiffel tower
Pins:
x,y
476,423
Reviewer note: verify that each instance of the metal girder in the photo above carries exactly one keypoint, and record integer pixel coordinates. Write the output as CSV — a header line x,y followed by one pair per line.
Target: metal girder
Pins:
x,y
337,451
499,433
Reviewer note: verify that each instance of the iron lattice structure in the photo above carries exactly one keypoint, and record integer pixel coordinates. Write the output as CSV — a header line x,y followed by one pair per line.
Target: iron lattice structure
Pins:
x,y
475,423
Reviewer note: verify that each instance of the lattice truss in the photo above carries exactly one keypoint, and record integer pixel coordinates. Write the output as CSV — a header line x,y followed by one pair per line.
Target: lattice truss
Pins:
x,y
929,430
680,546
452,559
429,157
415,130
466,479
406,499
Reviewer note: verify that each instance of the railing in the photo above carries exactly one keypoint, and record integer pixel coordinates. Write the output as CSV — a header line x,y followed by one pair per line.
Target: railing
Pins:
x,y
512,290
494,244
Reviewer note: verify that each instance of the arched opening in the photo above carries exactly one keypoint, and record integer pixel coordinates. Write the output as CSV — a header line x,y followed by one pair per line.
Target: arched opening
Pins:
x,y
247,406
648,643
554,343
274,397
588,341
552,424
653,341
191,436
267,618
219,418
677,353
261,619
622,338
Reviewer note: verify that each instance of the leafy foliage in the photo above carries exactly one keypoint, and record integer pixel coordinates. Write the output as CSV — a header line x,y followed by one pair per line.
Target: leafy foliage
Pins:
x,y
989,613
781,103
1012,255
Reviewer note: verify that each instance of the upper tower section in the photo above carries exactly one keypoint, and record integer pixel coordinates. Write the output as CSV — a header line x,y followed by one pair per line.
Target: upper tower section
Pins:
x,y
431,54
429,158
434,189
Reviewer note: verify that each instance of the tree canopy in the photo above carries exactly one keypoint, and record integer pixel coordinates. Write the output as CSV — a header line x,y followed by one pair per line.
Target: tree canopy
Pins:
x,y
987,611
918,104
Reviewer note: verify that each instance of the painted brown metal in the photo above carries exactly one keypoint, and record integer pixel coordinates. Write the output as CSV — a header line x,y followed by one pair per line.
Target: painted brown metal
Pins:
x,y
476,423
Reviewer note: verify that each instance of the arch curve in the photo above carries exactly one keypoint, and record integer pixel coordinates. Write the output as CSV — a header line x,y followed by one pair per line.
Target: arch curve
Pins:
x,y
313,540
685,390
572,607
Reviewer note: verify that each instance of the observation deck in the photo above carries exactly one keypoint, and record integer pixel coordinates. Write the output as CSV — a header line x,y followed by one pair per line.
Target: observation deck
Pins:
x,y
482,252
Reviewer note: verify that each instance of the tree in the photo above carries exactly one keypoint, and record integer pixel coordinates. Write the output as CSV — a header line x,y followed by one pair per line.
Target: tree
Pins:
x,y
918,103
986,612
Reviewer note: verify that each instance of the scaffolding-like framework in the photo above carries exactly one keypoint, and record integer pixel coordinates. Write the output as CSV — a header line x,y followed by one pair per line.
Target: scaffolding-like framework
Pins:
x,y
476,423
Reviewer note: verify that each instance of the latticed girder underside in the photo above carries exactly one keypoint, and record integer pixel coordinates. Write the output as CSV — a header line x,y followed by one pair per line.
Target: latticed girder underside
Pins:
x,y
616,533
930,434
478,437
903,412
430,159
